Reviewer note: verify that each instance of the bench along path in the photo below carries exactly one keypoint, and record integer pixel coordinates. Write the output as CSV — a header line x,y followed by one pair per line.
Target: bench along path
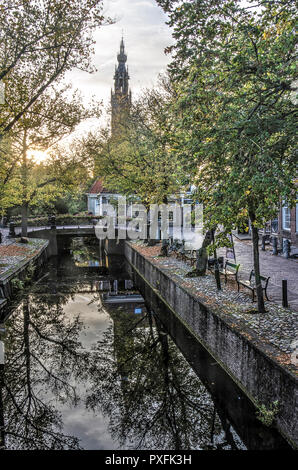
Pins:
x,y
277,267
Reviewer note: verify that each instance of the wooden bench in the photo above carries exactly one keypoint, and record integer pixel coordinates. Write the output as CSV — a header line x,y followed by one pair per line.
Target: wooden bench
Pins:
x,y
180,253
190,255
250,284
229,270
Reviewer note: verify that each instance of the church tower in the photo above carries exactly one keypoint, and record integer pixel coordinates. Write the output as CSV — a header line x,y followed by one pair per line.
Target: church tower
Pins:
x,y
121,96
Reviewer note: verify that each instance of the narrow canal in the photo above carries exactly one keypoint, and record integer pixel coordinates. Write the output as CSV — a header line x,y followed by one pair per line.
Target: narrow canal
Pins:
x,y
91,366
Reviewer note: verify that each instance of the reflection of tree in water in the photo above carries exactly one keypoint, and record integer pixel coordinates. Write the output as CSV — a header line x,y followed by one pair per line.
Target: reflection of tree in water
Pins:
x,y
150,394
42,354
137,378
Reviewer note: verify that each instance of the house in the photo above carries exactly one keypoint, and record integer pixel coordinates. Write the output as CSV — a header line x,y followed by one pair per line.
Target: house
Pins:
x,y
98,196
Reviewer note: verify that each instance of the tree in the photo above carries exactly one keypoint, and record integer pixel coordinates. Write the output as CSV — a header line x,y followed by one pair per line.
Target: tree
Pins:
x,y
9,180
49,119
237,118
39,43
136,159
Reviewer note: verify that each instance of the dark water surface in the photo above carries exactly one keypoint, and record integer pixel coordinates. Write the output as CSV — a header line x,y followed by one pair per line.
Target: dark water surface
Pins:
x,y
83,373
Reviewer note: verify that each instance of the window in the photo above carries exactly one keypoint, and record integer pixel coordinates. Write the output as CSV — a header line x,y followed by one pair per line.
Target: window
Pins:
x,y
286,217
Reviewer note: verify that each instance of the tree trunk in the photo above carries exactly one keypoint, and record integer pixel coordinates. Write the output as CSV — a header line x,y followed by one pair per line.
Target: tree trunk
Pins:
x,y
256,258
202,255
164,248
150,241
24,219
216,267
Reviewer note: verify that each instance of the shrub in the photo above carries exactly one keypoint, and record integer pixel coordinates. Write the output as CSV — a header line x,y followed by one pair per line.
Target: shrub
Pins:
x,y
268,415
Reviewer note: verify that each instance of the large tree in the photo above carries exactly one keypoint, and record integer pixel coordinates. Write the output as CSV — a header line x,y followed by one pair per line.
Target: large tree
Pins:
x,y
52,117
236,114
40,40
137,158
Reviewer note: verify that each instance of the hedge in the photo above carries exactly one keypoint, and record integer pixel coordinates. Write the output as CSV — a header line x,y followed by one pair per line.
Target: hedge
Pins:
x,y
61,219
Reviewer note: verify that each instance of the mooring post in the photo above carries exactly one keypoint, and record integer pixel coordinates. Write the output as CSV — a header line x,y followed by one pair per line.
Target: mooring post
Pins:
x,y
52,221
263,242
274,246
286,248
285,293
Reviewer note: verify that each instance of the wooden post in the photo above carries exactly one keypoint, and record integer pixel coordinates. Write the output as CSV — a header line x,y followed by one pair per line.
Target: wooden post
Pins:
x,y
285,293
274,246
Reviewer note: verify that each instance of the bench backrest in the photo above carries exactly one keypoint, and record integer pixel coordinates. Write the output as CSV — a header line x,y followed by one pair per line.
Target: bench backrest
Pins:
x,y
262,278
232,266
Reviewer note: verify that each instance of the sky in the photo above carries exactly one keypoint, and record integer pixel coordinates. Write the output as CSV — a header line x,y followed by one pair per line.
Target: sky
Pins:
x,y
145,35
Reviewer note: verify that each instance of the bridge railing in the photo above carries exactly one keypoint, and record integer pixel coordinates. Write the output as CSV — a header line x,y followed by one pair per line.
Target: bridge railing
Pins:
x,y
61,227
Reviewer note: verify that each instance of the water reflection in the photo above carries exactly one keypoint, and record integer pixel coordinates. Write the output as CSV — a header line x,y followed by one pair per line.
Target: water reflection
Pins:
x,y
159,402
84,373
41,358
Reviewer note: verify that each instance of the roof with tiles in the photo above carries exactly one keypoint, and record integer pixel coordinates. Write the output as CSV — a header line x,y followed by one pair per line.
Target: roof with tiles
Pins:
x,y
98,188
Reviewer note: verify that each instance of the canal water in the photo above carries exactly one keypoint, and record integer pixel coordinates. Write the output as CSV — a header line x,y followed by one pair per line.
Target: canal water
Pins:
x,y
89,365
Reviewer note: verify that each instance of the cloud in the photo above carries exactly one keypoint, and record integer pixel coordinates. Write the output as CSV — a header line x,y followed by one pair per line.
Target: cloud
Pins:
x,y
145,34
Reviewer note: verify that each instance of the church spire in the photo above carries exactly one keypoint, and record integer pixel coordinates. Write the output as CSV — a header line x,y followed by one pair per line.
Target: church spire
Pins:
x,y
122,57
121,96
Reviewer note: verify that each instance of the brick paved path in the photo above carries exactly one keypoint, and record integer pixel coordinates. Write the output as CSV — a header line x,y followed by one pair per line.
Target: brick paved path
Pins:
x,y
277,267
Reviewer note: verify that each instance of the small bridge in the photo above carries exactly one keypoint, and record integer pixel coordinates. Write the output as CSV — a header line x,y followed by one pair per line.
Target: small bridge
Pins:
x,y
71,231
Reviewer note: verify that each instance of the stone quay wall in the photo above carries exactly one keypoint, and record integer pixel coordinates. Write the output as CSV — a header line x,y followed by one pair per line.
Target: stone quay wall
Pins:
x,y
261,378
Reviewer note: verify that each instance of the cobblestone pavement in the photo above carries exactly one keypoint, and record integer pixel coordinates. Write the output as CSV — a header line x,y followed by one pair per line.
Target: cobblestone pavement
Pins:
x,y
277,267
